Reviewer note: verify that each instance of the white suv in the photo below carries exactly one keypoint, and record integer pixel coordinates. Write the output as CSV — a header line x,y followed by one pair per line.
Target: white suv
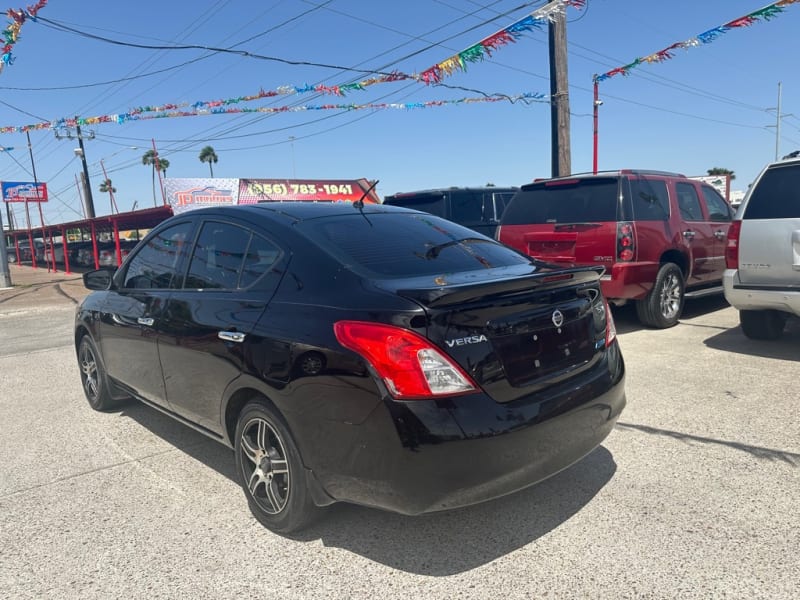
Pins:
x,y
762,279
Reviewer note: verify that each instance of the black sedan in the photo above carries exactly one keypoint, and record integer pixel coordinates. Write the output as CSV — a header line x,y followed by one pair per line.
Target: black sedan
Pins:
x,y
368,354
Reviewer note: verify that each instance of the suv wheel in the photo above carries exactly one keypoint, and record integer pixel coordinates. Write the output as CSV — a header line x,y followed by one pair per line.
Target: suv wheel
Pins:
x,y
762,324
663,305
270,470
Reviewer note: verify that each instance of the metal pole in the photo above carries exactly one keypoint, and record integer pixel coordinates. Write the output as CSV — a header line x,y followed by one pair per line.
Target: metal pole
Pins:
x,y
778,125
5,274
158,168
594,118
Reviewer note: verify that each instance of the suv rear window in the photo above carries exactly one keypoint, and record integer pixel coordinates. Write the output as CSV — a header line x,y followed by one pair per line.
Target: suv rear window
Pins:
x,y
777,194
429,245
429,203
569,201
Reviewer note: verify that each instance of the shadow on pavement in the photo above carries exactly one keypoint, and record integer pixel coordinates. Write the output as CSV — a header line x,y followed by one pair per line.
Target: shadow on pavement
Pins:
x,y
785,348
626,320
437,544
790,458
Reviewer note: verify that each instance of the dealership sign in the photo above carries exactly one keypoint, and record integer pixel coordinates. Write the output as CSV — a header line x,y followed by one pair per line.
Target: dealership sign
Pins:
x,y
185,194
23,191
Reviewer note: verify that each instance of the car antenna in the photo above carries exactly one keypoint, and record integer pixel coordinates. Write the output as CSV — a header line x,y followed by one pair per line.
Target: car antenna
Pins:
x,y
359,204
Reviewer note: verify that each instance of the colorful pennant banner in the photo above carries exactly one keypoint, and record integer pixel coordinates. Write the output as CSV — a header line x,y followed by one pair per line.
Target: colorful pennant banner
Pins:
x,y
478,52
765,14
11,32
124,118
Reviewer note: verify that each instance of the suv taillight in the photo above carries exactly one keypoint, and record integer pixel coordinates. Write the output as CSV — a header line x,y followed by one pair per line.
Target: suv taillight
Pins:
x,y
411,367
626,248
732,247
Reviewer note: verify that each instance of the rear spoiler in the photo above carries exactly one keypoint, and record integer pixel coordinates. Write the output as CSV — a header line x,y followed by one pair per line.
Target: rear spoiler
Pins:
x,y
456,293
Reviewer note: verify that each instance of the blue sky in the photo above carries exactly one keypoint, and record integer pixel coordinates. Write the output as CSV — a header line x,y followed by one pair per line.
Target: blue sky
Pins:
x,y
709,106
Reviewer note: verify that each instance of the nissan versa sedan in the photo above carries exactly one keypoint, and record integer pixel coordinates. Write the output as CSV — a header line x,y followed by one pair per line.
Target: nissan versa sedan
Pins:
x,y
358,353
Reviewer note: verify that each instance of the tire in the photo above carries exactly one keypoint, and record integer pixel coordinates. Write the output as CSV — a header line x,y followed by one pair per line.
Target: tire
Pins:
x,y
664,304
762,324
271,471
93,377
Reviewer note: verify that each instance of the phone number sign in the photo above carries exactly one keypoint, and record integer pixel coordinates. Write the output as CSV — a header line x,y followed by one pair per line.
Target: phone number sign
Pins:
x,y
252,191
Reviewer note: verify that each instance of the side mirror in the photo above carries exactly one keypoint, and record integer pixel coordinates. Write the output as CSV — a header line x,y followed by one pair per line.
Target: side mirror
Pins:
x,y
98,280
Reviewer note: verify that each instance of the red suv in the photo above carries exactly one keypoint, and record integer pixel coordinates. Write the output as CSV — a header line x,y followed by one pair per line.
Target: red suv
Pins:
x,y
660,236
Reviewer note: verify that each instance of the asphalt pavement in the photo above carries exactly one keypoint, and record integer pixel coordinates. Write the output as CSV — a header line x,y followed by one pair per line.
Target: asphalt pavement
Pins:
x,y
693,495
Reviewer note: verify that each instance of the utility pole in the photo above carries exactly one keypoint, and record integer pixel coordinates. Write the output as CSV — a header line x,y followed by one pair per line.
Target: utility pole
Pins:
x,y
559,96
5,275
87,185
88,201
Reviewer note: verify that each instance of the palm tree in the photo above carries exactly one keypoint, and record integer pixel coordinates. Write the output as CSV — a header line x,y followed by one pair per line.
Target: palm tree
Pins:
x,y
208,155
163,165
150,158
721,171
106,187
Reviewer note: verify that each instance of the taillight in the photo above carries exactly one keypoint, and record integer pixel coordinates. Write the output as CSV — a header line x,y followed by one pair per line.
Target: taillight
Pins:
x,y
626,247
410,366
732,247
611,328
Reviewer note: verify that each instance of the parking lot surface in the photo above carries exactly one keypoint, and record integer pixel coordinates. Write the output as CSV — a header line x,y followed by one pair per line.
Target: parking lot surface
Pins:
x,y
694,494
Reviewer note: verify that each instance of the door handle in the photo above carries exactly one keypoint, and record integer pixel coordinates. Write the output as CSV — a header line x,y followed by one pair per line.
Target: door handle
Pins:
x,y
231,336
688,234
145,321
719,234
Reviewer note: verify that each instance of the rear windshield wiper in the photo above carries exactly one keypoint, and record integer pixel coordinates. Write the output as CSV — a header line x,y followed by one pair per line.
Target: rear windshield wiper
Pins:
x,y
434,251
574,225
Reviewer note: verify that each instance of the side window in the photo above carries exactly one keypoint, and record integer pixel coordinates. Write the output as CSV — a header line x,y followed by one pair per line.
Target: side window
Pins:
x,y
688,202
465,207
260,257
496,203
155,263
218,256
718,209
776,195
650,199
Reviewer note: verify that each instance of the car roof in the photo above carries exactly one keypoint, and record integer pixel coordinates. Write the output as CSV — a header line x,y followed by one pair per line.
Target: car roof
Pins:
x,y
490,188
299,211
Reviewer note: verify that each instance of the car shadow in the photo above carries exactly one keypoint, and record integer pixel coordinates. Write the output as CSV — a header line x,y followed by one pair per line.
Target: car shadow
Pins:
x,y
436,544
626,320
785,348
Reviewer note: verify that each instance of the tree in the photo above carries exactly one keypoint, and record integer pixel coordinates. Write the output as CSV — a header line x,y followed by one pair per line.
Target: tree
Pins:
x,y
106,187
721,171
208,155
150,158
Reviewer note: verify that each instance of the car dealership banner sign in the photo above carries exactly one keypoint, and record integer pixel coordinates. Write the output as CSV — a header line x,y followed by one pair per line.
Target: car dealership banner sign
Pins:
x,y
252,191
185,194
23,191
189,193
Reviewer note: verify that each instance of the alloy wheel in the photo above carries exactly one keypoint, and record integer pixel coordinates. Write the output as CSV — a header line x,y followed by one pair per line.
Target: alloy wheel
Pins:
x,y
88,363
265,466
670,296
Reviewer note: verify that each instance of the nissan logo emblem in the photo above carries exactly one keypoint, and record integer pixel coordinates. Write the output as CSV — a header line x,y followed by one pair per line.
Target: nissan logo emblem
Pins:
x,y
558,318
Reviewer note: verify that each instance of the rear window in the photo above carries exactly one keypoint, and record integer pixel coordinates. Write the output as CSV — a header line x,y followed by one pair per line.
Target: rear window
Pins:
x,y
391,245
650,199
429,203
777,194
579,201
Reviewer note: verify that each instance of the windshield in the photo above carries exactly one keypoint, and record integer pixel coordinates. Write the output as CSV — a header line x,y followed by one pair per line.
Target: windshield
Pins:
x,y
392,245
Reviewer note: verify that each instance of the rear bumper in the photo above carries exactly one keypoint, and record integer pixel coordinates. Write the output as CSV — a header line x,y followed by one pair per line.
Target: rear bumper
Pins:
x,y
630,281
759,298
418,457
